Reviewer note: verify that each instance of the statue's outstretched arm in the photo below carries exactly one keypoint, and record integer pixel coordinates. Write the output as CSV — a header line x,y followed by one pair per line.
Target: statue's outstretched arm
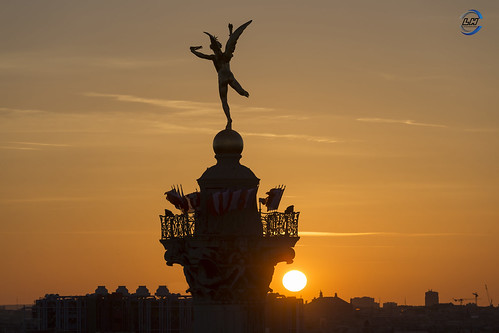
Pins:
x,y
199,54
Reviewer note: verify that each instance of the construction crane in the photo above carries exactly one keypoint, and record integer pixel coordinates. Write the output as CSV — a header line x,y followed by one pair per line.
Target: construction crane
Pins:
x,y
488,296
476,298
460,300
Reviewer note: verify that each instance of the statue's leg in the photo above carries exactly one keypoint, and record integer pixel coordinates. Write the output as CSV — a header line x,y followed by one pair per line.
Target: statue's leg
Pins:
x,y
225,105
237,87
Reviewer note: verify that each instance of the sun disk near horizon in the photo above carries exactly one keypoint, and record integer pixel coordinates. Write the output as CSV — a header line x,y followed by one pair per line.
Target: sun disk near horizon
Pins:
x,y
294,280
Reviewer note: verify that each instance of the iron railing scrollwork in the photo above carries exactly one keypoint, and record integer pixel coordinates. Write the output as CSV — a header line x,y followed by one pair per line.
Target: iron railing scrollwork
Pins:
x,y
274,224
280,224
177,226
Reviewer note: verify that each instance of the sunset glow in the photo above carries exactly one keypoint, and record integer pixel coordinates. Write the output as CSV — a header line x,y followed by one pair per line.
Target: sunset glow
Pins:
x,y
294,280
380,117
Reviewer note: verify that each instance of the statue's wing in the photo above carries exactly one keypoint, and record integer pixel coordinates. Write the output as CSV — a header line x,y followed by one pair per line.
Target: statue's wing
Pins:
x,y
230,47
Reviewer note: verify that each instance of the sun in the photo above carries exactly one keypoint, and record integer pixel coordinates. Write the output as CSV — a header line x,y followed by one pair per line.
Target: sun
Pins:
x,y
294,280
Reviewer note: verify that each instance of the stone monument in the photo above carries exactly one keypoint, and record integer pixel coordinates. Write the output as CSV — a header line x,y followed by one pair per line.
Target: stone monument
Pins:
x,y
227,246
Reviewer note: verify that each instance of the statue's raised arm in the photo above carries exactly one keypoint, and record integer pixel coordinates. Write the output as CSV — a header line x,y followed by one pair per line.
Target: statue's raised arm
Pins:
x,y
221,61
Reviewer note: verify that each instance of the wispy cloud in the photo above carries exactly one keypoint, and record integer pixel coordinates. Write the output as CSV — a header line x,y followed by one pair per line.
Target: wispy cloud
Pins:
x,y
39,60
18,148
127,63
292,117
273,116
41,144
191,107
481,130
49,199
19,111
294,136
377,233
174,104
174,128
17,145
181,109
338,234
253,109
396,121
408,77
82,232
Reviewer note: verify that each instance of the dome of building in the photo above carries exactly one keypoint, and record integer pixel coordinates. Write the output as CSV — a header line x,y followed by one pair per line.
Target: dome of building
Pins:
x,y
142,291
122,290
162,291
101,290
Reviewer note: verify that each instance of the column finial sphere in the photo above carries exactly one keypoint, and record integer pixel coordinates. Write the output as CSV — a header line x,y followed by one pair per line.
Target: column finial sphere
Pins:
x,y
228,142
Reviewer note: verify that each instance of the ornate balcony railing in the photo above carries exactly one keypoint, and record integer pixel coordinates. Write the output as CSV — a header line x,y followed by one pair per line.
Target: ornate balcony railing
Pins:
x,y
274,224
280,224
177,226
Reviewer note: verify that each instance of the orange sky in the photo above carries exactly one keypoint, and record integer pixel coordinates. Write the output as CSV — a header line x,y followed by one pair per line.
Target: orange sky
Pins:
x,y
380,117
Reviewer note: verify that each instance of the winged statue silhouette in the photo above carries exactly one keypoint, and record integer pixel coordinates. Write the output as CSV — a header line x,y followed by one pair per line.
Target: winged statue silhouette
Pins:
x,y
221,60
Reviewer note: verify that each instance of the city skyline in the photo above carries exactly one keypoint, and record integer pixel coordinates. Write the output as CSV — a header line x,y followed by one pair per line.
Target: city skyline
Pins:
x,y
380,118
431,297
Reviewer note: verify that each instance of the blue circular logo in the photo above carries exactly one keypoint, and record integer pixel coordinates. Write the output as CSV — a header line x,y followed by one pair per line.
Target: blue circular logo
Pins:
x,y
469,22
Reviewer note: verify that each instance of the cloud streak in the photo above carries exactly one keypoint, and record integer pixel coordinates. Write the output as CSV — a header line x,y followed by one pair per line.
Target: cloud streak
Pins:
x,y
190,108
173,128
377,233
41,144
26,61
31,145
18,148
181,105
82,232
49,199
410,78
126,63
189,129
481,130
19,111
396,121
294,136
174,104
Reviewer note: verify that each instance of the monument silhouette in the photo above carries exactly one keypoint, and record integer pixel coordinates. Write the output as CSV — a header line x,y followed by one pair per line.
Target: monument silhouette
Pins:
x,y
227,246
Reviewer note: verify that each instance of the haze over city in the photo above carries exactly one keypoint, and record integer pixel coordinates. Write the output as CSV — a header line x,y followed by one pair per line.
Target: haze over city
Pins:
x,y
380,117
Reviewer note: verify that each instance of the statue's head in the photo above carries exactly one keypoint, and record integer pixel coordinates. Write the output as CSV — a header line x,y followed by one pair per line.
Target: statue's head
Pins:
x,y
215,45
